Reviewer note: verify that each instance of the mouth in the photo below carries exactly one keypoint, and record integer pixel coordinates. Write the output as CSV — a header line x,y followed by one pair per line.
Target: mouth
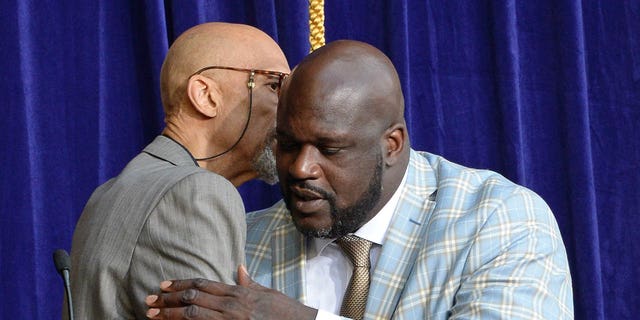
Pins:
x,y
306,201
305,194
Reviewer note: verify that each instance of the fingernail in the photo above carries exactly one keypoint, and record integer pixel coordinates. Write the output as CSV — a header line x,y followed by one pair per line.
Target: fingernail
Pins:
x,y
151,299
152,312
165,284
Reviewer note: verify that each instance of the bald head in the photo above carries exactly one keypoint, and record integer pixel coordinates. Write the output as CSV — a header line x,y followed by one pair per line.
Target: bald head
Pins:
x,y
215,44
209,107
354,77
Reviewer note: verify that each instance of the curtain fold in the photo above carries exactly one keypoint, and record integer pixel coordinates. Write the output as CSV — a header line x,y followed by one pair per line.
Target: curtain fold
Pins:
x,y
581,187
544,92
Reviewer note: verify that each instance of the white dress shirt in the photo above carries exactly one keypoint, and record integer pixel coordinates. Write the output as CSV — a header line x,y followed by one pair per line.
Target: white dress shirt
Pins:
x,y
328,270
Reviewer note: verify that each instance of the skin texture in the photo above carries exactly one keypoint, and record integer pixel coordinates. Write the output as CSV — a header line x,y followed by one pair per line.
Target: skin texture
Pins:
x,y
342,150
206,113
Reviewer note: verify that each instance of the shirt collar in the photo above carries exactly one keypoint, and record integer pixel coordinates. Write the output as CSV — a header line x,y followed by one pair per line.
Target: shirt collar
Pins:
x,y
375,230
183,147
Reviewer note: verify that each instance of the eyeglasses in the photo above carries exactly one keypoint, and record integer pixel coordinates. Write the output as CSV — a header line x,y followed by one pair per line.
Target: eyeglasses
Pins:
x,y
252,72
250,84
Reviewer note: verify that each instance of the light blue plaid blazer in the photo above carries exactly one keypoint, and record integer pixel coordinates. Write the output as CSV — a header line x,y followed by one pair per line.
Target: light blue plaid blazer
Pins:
x,y
463,244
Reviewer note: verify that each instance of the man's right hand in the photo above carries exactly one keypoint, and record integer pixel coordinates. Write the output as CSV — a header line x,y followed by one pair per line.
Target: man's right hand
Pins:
x,y
205,299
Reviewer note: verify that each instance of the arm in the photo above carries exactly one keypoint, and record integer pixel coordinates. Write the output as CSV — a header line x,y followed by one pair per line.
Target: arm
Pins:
x,y
196,230
517,266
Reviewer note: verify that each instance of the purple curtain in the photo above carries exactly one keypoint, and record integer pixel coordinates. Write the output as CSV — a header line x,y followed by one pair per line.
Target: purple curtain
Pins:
x,y
545,92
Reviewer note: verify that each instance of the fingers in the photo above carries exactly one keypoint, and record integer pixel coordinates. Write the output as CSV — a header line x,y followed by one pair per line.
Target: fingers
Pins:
x,y
209,286
183,299
244,279
194,304
200,298
189,312
171,299
243,276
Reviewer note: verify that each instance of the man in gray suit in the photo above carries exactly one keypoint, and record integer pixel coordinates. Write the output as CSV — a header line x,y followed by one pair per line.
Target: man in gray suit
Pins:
x,y
174,211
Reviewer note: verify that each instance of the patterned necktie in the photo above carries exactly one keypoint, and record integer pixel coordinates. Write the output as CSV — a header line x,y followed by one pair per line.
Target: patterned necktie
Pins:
x,y
355,298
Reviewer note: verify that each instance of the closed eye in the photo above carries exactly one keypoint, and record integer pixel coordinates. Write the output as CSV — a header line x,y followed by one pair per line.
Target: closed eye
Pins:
x,y
328,151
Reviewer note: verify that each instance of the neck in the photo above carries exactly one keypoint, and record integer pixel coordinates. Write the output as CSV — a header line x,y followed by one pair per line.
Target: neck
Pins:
x,y
393,179
237,171
229,169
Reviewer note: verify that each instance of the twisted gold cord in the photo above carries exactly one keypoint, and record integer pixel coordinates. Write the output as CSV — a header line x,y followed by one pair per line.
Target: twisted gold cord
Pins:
x,y
316,24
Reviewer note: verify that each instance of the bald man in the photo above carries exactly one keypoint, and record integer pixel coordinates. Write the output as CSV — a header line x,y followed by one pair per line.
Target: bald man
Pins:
x,y
440,241
174,211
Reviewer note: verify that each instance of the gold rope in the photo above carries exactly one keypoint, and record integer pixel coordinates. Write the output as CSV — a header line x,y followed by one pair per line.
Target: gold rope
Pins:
x,y
316,24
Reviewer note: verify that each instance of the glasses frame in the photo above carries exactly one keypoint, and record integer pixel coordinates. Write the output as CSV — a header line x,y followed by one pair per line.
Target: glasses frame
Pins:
x,y
250,84
252,72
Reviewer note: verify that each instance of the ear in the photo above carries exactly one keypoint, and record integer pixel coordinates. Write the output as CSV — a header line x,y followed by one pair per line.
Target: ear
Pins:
x,y
394,143
204,94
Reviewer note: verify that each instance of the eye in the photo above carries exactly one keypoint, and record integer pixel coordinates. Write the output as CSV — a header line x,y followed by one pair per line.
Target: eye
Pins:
x,y
328,151
274,86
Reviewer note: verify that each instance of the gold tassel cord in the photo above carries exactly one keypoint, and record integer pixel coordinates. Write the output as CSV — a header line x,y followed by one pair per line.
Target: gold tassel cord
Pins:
x,y
316,24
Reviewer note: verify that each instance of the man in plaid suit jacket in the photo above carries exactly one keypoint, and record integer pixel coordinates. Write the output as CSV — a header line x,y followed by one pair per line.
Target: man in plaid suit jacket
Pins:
x,y
457,243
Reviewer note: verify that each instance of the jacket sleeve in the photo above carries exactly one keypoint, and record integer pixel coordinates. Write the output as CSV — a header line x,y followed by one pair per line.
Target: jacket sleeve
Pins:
x,y
197,230
517,266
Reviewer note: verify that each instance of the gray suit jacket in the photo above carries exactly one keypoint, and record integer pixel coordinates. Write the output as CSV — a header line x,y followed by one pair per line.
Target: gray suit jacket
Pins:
x,y
162,218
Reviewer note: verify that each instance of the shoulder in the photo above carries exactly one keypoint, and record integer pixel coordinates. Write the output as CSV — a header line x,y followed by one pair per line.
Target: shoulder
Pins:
x,y
203,192
263,224
468,196
476,186
450,174
204,178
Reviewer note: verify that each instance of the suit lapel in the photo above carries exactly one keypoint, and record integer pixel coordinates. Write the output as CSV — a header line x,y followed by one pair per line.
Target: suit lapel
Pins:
x,y
403,240
289,256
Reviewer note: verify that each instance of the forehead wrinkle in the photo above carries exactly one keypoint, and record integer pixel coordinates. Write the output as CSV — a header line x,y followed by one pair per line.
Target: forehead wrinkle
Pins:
x,y
350,108
310,127
327,121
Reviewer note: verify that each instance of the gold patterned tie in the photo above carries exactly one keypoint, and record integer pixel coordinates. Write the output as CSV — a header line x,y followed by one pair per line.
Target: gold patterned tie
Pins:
x,y
355,298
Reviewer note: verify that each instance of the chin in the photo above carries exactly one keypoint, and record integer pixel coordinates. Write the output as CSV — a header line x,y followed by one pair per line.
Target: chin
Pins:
x,y
313,226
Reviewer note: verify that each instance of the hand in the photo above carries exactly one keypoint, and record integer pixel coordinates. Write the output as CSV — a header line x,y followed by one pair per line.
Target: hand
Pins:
x,y
205,299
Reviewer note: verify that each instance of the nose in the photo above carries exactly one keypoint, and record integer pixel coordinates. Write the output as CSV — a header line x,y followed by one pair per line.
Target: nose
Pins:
x,y
306,165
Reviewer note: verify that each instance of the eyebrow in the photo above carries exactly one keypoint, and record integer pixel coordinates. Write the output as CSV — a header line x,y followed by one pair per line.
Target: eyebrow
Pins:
x,y
317,140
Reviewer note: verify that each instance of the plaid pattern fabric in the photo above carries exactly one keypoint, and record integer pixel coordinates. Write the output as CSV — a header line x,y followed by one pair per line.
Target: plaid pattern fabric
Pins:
x,y
463,244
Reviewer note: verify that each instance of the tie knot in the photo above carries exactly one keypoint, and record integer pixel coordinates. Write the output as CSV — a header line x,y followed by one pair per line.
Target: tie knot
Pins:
x,y
357,249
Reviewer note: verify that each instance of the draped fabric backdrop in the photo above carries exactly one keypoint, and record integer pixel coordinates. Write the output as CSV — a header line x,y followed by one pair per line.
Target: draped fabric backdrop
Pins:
x,y
545,92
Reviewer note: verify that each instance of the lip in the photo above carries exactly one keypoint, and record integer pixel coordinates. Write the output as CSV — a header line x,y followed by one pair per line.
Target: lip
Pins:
x,y
306,201
305,194
308,207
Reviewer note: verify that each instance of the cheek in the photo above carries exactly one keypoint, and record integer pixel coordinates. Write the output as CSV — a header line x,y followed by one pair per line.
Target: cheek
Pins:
x,y
263,120
347,186
351,180
265,114
266,104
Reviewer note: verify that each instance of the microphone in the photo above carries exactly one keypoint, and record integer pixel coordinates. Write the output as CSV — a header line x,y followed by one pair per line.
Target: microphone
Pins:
x,y
63,265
